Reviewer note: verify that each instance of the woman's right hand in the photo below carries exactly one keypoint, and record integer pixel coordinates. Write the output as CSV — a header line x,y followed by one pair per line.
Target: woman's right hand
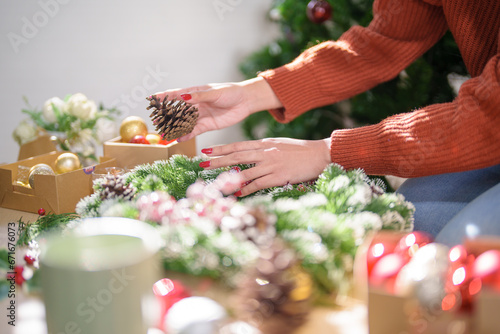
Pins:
x,y
223,105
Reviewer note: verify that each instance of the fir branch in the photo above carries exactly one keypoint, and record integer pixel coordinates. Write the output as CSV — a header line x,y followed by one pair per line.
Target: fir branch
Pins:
x,y
30,231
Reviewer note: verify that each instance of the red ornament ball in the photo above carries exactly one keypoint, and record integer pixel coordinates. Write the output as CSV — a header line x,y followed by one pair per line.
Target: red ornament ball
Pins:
x,y
19,275
41,212
29,259
319,11
139,139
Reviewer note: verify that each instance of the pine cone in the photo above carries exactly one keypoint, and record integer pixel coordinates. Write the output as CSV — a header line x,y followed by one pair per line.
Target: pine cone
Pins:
x,y
276,295
114,186
250,223
173,118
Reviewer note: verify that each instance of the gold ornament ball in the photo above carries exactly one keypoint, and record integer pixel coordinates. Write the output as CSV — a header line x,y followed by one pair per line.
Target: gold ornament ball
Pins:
x,y
67,162
132,126
153,138
39,169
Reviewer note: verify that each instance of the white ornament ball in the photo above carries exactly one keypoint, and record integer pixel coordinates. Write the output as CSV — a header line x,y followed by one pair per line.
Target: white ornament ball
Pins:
x,y
195,315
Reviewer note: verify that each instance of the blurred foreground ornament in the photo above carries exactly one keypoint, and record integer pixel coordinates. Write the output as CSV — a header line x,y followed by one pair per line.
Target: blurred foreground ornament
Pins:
x,y
425,277
487,268
275,296
132,126
168,292
195,315
67,162
39,169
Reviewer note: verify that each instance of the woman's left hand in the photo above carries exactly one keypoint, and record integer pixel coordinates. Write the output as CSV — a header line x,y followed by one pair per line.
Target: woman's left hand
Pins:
x,y
278,161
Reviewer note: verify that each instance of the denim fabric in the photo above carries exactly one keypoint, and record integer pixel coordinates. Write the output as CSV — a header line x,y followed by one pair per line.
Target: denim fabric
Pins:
x,y
453,206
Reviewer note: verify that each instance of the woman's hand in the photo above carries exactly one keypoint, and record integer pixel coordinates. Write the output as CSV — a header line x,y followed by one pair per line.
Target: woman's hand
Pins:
x,y
277,161
223,105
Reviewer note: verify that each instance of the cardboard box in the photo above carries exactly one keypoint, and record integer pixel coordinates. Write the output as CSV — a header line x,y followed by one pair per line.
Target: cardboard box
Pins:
x,y
130,155
39,146
55,193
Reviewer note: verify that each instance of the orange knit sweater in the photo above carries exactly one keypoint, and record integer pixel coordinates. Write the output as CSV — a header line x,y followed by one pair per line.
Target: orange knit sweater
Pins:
x,y
461,135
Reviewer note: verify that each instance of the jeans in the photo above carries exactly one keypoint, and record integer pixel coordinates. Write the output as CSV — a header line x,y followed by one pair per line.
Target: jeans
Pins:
x,y
455,206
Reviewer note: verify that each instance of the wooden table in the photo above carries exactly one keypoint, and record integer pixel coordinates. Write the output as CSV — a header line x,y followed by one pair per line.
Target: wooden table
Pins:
x,y
30,314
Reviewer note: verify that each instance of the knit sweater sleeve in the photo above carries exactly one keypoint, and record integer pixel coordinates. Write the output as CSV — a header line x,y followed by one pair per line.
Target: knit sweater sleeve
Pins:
x,y
361,58
441,138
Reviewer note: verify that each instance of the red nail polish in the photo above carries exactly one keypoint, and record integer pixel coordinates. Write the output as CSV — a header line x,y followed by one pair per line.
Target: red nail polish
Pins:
x,y
205,164
238,193
186,97
207,150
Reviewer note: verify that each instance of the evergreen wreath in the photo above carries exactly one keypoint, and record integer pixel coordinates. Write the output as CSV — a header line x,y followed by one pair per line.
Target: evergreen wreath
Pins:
x,y
212,235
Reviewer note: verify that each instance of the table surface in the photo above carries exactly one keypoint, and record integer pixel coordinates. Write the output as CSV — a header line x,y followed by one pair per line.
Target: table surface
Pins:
x,y
351,318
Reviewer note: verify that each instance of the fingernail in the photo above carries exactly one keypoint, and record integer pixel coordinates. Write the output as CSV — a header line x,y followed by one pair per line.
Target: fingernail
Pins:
x,y
238,193
186,97
205,164
207,150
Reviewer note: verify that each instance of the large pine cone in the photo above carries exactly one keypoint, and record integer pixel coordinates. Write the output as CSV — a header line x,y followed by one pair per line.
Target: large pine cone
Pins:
x,y
172,118
114,186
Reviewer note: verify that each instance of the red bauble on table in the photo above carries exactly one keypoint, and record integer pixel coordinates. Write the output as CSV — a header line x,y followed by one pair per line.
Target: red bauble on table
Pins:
x,y
319,11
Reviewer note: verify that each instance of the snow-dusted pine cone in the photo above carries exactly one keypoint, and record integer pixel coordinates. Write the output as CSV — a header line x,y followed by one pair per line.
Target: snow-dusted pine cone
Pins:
x,y
276,295
250,223
172,118
114,186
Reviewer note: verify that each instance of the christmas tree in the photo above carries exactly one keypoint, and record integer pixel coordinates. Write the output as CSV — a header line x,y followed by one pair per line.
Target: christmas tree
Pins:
x,y
305,23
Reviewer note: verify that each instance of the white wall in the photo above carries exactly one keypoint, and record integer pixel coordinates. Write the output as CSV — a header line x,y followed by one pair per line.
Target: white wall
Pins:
x,y
107,48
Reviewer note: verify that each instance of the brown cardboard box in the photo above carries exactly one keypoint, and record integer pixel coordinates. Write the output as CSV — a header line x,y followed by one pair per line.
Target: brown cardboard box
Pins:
x,y
130,155
55,193
39,146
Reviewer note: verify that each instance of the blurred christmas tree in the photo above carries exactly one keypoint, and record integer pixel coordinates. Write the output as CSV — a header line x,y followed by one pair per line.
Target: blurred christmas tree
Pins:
x,y
305,23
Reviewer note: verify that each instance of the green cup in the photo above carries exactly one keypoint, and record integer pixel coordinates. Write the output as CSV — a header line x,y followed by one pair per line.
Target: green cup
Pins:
x,y
99,278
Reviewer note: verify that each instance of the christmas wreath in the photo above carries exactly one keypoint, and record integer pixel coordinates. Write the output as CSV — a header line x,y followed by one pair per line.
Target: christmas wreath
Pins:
x,y
214,235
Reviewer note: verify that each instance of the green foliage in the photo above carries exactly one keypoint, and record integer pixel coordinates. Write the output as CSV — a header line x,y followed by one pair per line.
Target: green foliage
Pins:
x,y
423,83
50,222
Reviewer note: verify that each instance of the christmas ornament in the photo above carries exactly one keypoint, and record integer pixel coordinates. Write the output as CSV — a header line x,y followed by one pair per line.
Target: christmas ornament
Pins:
x,y
132,126
487,268
153,138
425,276
41,212
195,315
29,259
168,292
67,162
381,245
164,141
114,186
411,243
18,270
172,118
385,271
139,139
318,11
39,169
275,296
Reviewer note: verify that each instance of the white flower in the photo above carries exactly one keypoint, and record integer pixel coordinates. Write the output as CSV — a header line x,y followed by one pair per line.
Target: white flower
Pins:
x,y
106,129
48,109
25,132
84,143
81,107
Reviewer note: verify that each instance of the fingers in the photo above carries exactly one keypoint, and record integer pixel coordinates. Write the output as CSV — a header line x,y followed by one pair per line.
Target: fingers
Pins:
x,y
243,146
193,95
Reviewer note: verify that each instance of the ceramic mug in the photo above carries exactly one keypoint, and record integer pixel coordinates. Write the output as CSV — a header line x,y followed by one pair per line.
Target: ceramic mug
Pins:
x,y
99,278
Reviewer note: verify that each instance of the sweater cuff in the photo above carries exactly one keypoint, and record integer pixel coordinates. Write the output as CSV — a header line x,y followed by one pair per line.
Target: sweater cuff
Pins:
x,y
363,147
297,96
